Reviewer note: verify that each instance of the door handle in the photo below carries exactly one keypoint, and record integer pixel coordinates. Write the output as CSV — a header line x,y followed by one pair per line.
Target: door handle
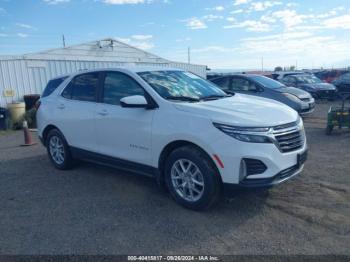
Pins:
x,y
61,106
103,113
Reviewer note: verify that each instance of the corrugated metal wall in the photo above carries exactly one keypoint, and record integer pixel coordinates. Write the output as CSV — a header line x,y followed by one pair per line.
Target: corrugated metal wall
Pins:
x,y
26,76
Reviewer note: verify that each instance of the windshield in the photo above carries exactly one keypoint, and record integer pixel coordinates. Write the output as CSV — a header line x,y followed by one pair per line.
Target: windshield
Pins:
x,y
180,84
308,79
267,82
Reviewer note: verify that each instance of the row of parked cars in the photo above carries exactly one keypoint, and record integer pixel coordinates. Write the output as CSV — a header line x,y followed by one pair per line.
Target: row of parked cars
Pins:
x,y
295,89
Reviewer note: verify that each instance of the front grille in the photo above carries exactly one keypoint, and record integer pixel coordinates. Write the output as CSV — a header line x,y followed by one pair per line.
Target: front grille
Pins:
x,y
254,166
289,138
325,93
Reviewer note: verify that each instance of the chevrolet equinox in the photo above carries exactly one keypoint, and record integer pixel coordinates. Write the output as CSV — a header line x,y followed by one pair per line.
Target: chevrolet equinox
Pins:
x,y
172,125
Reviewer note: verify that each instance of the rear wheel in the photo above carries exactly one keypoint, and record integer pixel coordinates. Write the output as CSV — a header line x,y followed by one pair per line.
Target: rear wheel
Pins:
x,y
58,150
192,178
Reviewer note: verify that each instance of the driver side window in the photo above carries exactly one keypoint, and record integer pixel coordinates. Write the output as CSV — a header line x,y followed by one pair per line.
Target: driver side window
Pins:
x,y
240,84
118,85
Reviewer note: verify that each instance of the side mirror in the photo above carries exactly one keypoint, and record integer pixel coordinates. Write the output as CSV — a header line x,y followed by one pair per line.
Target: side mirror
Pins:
x,y
134,101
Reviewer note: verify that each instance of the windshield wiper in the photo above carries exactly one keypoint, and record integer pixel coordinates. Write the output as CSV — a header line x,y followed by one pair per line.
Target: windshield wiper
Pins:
x,y
213,97
183,98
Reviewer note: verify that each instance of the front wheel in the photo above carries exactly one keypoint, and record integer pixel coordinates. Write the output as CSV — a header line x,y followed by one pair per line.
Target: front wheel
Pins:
x,y
58,150
192,178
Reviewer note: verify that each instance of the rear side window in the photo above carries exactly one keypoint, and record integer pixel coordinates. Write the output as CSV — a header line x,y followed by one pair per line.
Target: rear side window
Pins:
x,y
52,85
82,88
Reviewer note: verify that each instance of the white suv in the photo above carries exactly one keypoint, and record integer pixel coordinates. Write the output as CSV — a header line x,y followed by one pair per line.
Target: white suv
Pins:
x,y
172,125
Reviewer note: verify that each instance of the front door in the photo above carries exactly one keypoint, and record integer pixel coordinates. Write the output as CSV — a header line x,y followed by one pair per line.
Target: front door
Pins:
x,y
123,133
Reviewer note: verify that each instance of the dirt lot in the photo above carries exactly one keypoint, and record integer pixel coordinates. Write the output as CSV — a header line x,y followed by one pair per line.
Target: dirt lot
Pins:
x,y
97,210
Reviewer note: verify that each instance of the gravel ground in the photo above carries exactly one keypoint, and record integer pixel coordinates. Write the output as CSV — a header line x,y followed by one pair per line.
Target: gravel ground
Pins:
x,y
98,210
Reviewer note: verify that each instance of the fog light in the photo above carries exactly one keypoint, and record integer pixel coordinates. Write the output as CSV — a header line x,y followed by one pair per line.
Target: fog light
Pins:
x,y
242,170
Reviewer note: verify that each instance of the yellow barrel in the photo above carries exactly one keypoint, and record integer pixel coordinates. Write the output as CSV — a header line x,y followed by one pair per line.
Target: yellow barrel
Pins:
x,y
17,111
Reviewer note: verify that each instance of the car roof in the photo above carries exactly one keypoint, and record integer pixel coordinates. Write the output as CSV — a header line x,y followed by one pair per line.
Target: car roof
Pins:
x,y
235,74
134,69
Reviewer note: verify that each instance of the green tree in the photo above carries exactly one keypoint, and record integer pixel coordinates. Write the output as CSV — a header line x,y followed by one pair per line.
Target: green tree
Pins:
x,y
278,68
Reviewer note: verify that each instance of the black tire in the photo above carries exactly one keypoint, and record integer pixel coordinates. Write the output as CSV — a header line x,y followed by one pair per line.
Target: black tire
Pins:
x,y
68,161
211,178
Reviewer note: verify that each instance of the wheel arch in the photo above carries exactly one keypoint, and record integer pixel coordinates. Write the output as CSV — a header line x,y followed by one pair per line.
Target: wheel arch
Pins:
x,y
46,131
170,147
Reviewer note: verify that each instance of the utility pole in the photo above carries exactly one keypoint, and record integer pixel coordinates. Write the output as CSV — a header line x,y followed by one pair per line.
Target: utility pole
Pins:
x,y
189,55
296,64
64,41
262,64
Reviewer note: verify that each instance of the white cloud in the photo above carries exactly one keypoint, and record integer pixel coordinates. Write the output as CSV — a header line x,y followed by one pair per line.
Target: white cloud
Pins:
x,y
195,23
218,8
139,41
26,26
212,17
142,37
55,2
231,19
342,22
22,35
250,25
261,6
288,17
241,2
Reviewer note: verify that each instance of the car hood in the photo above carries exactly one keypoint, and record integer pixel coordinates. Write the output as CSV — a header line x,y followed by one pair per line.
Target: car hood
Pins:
x,y
294,91
243,110
320,86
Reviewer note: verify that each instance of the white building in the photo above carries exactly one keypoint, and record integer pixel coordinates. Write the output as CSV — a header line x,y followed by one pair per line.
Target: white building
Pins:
x,y
28,74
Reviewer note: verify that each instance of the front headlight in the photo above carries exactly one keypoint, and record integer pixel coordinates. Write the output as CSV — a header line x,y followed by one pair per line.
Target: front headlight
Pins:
x,y
245,134
292,97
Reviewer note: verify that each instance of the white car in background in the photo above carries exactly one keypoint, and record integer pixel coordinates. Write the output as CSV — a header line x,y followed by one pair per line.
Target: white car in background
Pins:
x,y
172,125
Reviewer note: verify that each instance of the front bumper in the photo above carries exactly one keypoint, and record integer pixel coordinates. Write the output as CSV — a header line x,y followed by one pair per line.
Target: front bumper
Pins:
x,y
281,177
325,94
232,152
307,110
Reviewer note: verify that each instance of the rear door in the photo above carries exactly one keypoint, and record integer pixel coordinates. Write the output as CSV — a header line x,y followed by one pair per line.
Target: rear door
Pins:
x,y
123,133
75,111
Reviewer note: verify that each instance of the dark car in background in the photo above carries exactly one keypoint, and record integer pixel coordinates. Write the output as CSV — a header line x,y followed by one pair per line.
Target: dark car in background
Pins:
x,y
329,76
311,84
343,83
262,86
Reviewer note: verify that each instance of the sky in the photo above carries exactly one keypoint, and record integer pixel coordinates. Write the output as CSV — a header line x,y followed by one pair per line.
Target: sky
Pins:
x,y
223,34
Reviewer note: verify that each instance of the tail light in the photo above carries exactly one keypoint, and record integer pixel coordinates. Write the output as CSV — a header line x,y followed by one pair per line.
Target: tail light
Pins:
x,y
37,104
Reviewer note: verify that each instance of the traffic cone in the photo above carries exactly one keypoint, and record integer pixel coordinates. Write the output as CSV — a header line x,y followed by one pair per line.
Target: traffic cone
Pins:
x,y
27,136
